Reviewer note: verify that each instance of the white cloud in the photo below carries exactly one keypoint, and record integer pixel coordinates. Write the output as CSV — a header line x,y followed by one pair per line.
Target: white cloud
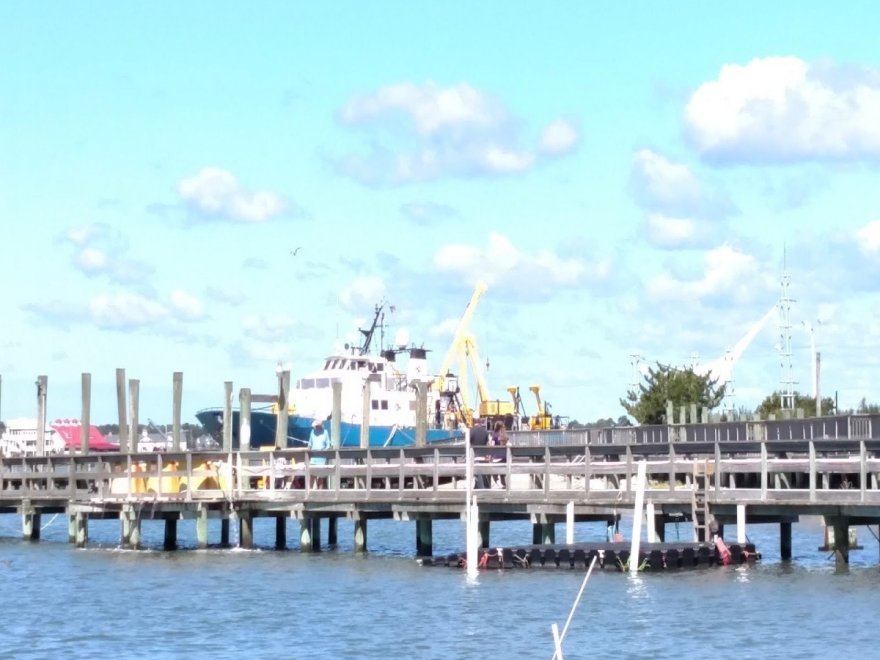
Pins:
x,y
216,193
362,292
728,273
502,264
868,237
100,249
559,137
268,328
431,109
669,232
91,259
125,311
187,306
783,108
662,183
440,131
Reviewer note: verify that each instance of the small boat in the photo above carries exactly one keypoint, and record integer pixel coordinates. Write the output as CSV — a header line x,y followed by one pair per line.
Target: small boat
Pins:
x,y
392,383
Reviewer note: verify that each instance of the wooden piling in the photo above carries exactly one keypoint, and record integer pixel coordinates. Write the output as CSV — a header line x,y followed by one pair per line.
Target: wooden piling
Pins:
x,y
202,527
121,409
360,534
365,415
170,542
175,413
131,527
483,533
336,414
244,419
424,537
421,413
30,525
224,533
281,532
283,402
245,529
71,526
82,529
332,531
86,414
227,416
785,541
134,387
42,387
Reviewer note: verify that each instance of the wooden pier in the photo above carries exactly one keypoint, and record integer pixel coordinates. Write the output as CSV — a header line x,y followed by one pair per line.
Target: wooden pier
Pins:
x,y
730,483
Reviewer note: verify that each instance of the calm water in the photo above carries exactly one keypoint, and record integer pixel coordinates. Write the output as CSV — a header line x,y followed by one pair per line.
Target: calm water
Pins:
x,y
227,603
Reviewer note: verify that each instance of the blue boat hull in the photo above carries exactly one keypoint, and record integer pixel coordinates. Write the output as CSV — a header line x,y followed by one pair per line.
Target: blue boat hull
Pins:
x,y
299,428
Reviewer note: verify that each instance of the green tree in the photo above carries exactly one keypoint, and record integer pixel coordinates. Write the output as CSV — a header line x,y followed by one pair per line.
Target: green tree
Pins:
x,y
772,405
866,408
647,404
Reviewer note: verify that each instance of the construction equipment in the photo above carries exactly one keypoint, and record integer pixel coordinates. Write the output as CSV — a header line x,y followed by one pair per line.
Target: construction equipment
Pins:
x,y
454,390
542,419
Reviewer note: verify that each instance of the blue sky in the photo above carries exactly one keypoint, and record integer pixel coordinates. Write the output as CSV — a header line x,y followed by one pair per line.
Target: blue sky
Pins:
x,y
625,179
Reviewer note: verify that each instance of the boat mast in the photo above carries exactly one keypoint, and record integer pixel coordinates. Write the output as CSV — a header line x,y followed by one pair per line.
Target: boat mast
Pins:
x,y
368,334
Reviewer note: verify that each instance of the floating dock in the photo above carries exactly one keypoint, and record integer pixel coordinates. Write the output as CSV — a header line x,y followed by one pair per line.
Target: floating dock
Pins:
x,y
613,556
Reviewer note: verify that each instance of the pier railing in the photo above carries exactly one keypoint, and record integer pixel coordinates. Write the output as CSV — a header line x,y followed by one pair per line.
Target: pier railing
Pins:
x,y
833,471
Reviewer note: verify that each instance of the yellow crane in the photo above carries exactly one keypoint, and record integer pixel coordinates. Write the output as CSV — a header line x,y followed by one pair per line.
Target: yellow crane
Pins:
x,y
464,350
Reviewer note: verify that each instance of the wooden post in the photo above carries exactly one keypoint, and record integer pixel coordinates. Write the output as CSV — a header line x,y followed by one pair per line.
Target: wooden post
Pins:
x,y
134,387
120,407
175,413
841,541
71,526
305,534
660,527
421,413
224,532
332,531
42,386
280,532
246,529
741,525
360,534
424,537
336,415
244,419
785,541
365,415
82,529
30,524
569,523
170,542
202,527
483,532
131,527
281,420
227,416
85,428
651,518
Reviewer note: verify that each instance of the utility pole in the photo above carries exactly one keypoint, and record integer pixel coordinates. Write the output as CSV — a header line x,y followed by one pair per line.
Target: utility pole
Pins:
x,y
786,379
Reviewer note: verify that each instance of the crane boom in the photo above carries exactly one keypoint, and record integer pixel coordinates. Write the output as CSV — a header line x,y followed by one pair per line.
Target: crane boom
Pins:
x,y
461,331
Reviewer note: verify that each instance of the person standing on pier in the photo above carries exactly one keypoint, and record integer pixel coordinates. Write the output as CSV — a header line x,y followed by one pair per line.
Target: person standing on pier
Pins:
x,y
500,440
480,438
319,440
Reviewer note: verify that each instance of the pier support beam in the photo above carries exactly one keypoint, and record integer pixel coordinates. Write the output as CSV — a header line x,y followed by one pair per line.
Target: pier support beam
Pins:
x,y
543,533
224,533
651,519
170,542
841,540
360,535
30,525
741,526
424,537
483,532
332,531
784,541
202,527
71,527
131,528
82,529
280,532
245,530
310,534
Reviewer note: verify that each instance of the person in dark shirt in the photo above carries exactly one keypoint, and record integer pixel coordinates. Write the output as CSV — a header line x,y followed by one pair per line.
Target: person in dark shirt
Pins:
x,y
480,438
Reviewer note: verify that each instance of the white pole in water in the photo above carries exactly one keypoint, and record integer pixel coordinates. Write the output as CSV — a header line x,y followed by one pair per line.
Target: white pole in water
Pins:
x,y
557,638
569,523
637,518
470,506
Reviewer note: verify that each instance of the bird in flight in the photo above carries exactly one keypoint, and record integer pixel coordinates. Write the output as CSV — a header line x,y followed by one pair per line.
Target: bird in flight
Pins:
x,y
293,252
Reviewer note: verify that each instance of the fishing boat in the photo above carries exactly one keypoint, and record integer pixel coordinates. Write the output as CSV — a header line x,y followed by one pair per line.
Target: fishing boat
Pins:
x,y
391,375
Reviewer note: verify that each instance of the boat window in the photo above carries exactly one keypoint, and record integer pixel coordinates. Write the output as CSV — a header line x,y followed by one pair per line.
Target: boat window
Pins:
x,y
326,365
384,405
352,365
374,404
322,382
379,367
362,364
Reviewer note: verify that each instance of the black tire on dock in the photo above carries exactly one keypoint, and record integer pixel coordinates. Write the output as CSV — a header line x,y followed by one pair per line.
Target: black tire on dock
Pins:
x,y
550,560
521,558
579,559
688,558
704,558
736,553
673,559
622,560
564,558
536,558
610,560
656,560
593,553
507,558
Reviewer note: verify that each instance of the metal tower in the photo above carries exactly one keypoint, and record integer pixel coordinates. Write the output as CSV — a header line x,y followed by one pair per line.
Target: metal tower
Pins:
x,y
786,377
